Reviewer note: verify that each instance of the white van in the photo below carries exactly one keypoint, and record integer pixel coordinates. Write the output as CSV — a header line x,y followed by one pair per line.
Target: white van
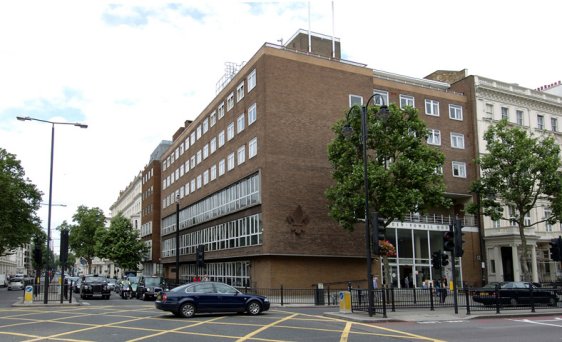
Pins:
x,y
3,280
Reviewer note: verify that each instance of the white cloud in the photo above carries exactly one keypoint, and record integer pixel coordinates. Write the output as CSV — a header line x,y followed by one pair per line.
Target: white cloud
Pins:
x,y
135,71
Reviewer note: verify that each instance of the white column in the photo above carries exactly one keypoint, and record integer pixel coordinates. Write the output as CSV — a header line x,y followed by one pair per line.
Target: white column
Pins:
x,y
534,263
499,264
516,263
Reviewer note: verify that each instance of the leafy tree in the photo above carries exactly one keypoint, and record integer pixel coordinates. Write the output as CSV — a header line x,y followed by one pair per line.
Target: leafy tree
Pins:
x,y
121,244
520,172
19,202
401,168
82,235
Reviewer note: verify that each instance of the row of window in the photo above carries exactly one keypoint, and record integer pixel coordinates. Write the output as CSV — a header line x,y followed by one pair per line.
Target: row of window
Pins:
x,y
211,120
243,232
237,196
216,170
212,146
432,107
234,273
434,138
519,119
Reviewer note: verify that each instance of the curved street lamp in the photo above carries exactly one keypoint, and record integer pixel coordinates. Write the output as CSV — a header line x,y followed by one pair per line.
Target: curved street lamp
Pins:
x,y
53,123
347,130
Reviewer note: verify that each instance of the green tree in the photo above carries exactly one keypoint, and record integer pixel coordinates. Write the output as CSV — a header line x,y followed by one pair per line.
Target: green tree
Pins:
x,y
520,172
401,168
82,235
19,202
121,244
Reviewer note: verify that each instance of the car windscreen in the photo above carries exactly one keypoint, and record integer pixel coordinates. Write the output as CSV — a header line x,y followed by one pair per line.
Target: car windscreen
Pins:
x,y
152,281
95,279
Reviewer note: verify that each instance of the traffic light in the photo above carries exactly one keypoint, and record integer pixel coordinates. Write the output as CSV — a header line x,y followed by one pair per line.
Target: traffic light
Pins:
x,y
459,251
449,240
444,259
436,260
200,256
37,256
556,249
377,232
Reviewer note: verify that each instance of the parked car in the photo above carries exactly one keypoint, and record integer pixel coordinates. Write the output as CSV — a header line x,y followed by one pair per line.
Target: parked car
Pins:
x,y
188,299
149,287
16,283
515,293
94,285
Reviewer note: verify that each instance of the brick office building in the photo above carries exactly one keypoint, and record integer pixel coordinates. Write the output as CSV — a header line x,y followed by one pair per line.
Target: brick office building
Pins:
x,y
251,171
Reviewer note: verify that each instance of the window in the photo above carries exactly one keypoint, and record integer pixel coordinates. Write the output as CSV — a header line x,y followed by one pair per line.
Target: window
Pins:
x,y
489,110
187,144
406,100
251,80
213,172
457,140
547,214
252,148
434,137
186,166
205,125
220,110
240,92
459,169
192,138
240,123
455,112
205,151
540,121
199,157
241,157
252,114
519,117
230,102
230,131
205,177
505,113
199,182
381,97
355,100
213,120
213,145
192,161
554,124
230,161
198,132
192,185
221,167
221,138
431,107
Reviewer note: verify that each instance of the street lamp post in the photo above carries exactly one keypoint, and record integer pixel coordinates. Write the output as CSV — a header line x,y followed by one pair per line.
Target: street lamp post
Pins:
x,y
53,123
177,239
347,130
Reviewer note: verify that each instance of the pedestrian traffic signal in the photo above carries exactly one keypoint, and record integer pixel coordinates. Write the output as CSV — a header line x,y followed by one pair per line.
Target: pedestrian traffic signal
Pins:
x,y
378,231
449,240
64,246
444,259
200,256
436,260
459,251
556,249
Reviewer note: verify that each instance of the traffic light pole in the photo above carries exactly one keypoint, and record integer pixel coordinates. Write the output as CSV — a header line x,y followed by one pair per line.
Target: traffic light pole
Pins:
x,y
454,265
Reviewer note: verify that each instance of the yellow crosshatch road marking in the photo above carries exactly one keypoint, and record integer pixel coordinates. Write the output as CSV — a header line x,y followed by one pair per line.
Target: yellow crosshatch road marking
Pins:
x,y
275,319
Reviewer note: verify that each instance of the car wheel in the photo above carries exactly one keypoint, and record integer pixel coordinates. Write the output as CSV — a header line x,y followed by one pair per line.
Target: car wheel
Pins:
x,y
254,308
187,310
513,301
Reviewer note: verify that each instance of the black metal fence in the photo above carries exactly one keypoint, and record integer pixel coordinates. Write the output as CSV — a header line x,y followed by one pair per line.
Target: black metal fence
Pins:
x,y
55,293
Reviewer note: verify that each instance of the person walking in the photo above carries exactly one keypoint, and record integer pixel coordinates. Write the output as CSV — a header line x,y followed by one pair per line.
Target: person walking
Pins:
x,y
406,282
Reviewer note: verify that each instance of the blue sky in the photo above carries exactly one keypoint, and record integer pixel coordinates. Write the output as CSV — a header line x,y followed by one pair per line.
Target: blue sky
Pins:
x,y
134,71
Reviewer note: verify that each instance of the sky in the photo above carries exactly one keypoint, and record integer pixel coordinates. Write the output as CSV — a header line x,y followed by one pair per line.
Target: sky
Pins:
x,y
134,71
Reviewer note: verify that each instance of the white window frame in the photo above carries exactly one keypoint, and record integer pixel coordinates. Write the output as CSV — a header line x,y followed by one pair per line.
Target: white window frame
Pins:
x,y
504,113
220,110
213,118
213,144
240,92
519,117
554,124
205,151
205,125
240,123
458,169
431,107
253,148
213,172
221,138
355,100
434,137
230,131
230,161
252,114
382,99
457,140
199,132
407,100
252,80
221,167
540,121
241,154
455,112
230,101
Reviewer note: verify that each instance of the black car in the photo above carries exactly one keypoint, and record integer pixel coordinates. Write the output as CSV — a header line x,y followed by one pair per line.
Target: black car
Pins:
x,y
188,299
149,287
515,293
94,285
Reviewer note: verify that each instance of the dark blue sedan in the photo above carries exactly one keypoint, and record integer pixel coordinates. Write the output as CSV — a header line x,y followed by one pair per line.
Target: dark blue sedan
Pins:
x,y
207,296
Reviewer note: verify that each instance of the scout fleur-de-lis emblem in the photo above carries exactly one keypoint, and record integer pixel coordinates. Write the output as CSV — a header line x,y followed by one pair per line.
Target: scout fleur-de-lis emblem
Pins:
x,y
298,219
